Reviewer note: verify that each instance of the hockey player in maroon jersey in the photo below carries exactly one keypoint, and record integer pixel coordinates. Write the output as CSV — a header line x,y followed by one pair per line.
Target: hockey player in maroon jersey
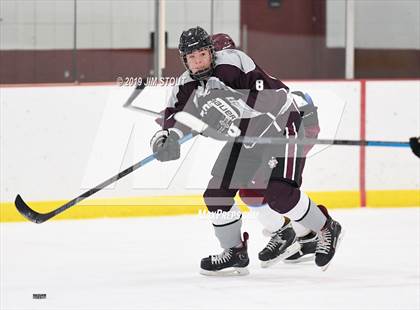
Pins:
x,y
271,220
230,93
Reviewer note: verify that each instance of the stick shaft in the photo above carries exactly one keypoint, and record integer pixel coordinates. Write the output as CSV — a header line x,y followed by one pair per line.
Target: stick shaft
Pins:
x,y
36,217
304,141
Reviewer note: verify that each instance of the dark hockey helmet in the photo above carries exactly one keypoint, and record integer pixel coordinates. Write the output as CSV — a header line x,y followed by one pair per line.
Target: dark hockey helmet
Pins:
x,y
192,40
222,41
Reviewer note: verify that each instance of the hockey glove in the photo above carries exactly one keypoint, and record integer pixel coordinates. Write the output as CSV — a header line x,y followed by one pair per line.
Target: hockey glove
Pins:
x,y
165,145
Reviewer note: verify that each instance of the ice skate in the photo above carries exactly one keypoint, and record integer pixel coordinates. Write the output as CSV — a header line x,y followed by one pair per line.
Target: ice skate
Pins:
x,y
283,243
307,249
328,242
230,262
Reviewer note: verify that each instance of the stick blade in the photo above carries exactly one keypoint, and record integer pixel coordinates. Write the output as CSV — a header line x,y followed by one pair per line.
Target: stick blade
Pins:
x,y
137,90
27,212
415,145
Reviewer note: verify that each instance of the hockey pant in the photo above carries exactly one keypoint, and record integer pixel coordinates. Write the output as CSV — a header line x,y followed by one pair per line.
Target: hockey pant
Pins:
x,y
274,172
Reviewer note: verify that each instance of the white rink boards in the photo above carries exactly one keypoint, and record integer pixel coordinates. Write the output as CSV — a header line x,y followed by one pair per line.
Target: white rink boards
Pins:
x,y
152,263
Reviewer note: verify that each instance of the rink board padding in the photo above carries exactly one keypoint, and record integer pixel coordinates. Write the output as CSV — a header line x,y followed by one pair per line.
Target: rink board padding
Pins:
x,y
194,204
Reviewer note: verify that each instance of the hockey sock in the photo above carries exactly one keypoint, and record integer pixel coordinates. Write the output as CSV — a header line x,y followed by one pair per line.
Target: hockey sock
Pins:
x,y
270,219
300,230
227,227
307,213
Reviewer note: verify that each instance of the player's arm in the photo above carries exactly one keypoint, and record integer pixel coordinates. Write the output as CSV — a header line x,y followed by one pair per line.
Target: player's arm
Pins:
x,y
265,94
271,98
164,142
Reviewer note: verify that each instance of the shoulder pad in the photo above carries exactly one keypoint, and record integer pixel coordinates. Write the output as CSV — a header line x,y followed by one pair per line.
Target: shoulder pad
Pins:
x,y
235,58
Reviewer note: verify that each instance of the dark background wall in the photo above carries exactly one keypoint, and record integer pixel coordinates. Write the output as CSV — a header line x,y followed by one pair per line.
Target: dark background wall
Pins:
x,y
288,41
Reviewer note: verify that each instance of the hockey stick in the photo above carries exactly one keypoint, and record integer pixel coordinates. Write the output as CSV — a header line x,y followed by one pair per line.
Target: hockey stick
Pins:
x,y
38,218
143,110
136,92
198,125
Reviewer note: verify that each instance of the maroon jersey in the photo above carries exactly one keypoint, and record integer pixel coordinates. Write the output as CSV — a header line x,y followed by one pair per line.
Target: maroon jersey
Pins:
x,y
259,93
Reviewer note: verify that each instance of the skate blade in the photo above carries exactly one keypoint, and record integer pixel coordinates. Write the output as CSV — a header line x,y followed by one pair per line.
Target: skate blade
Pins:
x,y
303,259
291,250
324,268
232,271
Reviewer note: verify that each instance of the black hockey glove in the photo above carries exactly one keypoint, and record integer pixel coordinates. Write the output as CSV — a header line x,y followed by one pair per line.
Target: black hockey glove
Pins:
x,y
165,144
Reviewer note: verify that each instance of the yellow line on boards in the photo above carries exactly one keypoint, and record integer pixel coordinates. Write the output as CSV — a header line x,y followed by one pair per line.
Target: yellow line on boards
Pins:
x,y
393,198
179,205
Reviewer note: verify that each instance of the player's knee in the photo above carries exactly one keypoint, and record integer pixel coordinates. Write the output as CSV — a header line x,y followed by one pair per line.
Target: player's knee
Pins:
x,y
252,197
218,199
282,196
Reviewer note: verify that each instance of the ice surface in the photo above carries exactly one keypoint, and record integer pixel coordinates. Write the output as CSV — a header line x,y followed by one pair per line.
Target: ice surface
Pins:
x,y
152,263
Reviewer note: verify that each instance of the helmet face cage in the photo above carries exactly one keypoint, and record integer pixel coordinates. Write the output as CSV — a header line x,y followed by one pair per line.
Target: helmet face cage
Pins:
x,y
196,39
201,74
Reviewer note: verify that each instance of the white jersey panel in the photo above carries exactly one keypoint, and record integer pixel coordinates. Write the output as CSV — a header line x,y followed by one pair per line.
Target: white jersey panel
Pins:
x,y
235,58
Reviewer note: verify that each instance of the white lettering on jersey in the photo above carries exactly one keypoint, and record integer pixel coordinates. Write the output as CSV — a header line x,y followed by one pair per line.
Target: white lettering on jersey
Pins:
x,y
222,106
